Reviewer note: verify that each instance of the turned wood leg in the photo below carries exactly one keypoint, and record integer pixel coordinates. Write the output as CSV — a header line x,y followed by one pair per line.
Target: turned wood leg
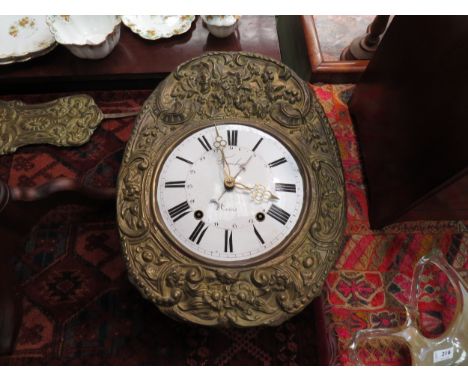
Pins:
x,y
363,47
20,209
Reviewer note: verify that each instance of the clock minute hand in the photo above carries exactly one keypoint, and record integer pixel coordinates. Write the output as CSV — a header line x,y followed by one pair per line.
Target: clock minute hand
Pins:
x,y
220,144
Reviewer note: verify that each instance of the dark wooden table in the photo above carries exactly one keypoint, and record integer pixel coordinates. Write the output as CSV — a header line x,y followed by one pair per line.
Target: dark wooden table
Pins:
x,y
135,62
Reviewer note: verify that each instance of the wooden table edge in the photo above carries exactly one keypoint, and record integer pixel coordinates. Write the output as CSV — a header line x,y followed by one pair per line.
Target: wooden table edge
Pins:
x,y
314,52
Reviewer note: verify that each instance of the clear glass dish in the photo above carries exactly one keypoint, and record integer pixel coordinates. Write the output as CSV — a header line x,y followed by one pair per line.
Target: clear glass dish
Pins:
x,y
448,348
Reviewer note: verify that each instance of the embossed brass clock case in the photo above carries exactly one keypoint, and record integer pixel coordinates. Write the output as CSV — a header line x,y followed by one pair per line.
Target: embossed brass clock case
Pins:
x,y
246,89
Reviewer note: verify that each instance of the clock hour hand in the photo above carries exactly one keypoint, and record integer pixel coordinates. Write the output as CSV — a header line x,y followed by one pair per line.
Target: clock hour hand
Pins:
x,y
258,192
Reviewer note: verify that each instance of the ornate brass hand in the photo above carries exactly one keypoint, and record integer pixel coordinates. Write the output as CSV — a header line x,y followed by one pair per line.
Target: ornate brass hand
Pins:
x,y
220,144
258,192
233,179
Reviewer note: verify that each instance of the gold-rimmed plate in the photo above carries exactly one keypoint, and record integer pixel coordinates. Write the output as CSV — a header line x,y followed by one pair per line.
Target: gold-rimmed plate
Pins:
x,y
157,26
24,37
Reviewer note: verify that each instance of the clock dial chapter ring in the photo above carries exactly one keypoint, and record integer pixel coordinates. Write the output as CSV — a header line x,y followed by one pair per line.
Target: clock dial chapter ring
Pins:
x,y
238,168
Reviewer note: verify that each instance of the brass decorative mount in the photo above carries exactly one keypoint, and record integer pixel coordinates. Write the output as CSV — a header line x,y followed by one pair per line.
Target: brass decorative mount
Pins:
x,y
66,121
243,88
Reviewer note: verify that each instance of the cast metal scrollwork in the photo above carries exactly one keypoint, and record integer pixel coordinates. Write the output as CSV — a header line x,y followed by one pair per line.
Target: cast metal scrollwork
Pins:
x,y
67,121
232,88
131,210
237,86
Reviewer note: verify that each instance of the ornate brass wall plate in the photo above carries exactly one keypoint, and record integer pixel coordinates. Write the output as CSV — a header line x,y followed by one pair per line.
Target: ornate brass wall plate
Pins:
x,y
235,88
67,121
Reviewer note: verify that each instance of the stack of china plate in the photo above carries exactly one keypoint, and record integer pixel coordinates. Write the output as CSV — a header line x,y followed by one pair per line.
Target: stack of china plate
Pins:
x,y
23,38
156,27
91,37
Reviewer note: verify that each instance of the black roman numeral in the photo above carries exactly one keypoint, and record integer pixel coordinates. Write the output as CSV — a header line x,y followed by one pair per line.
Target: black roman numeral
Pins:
x,y
198,232
257,144
258,235
232,137
179,211
176,184
285,187
277,162
227,241
184,160
204,142
278,214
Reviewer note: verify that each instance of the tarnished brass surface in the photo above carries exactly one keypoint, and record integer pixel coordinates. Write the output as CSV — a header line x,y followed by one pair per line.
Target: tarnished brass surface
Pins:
x,y
67,121
231,88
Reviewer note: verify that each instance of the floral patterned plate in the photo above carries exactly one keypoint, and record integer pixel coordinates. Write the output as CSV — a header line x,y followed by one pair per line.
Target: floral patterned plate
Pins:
x,y
24,37
156,27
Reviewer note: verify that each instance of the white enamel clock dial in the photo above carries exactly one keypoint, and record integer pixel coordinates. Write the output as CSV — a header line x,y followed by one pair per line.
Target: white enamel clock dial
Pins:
x,y
223,224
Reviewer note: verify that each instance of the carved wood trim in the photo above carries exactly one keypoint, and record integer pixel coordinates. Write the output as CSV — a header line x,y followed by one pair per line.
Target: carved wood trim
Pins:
x,y
317,63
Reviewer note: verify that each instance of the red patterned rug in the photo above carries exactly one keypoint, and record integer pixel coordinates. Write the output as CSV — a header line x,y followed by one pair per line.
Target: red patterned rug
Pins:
x,y
79,307
371,280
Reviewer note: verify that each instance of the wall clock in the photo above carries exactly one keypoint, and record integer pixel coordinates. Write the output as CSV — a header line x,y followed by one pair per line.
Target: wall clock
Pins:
x,y
231,202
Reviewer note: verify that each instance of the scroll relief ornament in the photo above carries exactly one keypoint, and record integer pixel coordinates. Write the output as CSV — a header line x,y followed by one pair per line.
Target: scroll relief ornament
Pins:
x,y
232,88
67,121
